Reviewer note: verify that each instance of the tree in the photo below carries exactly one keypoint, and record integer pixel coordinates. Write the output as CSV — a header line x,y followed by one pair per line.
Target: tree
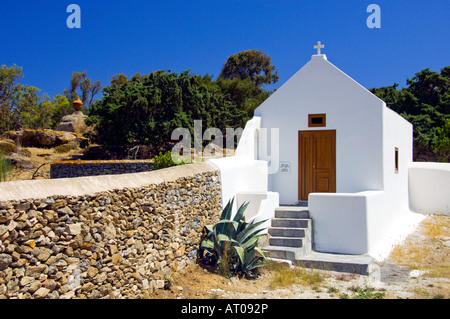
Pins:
x,y
118,80
8,95
424,102
243,94
61,108
147,109
442,141
253,64
243,76
81,87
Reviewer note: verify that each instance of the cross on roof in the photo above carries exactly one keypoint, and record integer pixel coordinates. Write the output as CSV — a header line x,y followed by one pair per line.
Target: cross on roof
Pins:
x,y
318,47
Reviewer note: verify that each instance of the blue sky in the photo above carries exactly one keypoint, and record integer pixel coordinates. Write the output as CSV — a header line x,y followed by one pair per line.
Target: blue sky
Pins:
x,y
144,36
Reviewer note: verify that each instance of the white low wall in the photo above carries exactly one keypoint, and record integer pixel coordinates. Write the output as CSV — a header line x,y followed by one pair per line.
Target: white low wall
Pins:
x,y
429,188
79,186
358,223
261,207
238,174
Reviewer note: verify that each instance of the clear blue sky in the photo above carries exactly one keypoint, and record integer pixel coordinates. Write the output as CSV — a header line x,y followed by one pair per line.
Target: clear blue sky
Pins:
x,y
144,36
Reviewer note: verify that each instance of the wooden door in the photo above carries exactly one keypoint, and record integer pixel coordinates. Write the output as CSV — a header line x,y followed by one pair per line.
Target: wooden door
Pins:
x,y
316,162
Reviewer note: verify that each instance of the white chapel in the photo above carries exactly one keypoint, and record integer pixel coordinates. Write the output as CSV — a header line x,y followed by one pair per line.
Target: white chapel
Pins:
x,y
325,143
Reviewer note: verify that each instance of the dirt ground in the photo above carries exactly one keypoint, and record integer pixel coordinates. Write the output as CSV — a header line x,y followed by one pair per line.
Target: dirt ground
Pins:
x,y
36,161
419,268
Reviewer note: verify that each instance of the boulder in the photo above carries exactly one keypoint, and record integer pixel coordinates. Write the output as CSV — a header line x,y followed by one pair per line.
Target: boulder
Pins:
x,y
73,123
42,138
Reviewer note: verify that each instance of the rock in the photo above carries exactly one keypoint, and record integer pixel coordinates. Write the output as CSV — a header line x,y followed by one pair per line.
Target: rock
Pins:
x,y
73,229
40,138
36,271
416,273
73,123
3,229
21,162
92,272
59,203
23,206
159,284
101,278
68,295
110,232
5,261
26,280
44,254
116,258
65,210
41,293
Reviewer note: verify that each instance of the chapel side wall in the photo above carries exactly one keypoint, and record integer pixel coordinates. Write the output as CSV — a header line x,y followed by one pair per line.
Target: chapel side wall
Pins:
x,y
351,110
397,134
119,242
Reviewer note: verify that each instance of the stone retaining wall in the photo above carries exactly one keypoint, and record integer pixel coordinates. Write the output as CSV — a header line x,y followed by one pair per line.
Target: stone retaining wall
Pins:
x,y
116,243
68,169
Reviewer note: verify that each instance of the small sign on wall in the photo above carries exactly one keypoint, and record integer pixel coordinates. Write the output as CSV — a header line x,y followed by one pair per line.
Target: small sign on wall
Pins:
x,y
285,167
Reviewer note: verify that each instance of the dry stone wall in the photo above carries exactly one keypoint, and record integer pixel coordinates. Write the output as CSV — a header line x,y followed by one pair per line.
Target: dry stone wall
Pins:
x,y
120,243
68,169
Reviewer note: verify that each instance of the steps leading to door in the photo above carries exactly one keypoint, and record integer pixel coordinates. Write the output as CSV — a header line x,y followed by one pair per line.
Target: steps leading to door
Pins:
x,y
290,238
290,233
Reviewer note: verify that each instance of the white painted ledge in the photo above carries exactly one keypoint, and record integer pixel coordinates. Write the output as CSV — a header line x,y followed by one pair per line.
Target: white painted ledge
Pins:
x,y
80,186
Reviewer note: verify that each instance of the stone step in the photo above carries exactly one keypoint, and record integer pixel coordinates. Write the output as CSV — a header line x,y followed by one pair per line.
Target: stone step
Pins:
x,y
287,232
357,264
297,214
280,252
286,241
291,222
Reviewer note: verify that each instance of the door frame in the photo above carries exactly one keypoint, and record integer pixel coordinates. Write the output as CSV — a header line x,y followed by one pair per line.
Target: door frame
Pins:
x,y
300,181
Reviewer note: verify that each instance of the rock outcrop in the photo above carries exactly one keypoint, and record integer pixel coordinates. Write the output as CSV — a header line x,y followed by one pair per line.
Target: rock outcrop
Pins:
x,y
73,123
42,138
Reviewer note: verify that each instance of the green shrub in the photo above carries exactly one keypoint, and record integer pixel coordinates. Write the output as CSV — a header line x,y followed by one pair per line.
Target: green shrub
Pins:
x,y
231,245
164,161
6,147
63,148
5,168
442,142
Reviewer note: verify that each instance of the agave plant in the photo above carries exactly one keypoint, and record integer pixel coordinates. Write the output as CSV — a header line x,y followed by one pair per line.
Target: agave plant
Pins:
x,y
232,244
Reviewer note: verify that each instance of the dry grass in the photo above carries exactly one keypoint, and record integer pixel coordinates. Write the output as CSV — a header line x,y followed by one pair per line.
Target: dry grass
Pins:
x,y
283,275
429,254
39,156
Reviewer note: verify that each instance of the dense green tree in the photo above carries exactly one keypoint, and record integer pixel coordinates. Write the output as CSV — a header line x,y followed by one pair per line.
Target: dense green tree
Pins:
x,y
252,64
148,108
424,102
9,90
243,77
61,107
118,80
20,105
442,142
